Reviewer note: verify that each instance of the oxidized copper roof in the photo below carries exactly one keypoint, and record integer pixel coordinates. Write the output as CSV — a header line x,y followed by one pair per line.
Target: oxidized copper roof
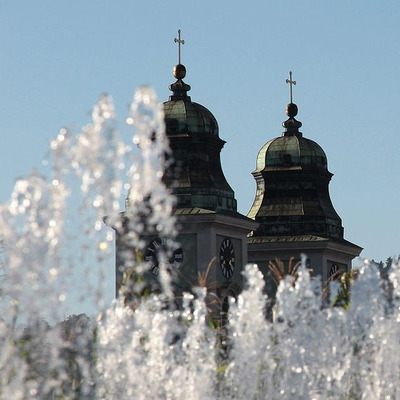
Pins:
x,y
192,210
195,174
292,198
273,239
291,152
186,117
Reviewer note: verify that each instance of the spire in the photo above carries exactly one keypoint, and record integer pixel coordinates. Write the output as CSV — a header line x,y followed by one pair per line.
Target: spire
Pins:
x,y
179,88
291,125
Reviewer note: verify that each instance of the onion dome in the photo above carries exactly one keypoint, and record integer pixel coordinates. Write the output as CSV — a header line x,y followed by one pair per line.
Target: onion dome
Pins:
x,y
292,197
291,150
195,175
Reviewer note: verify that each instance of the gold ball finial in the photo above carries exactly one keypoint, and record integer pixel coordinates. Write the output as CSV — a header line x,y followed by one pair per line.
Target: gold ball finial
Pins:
x,y
291,110
179,71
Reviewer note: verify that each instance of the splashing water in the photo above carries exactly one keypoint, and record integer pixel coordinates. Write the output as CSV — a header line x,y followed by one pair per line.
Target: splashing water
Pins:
x,y
310,351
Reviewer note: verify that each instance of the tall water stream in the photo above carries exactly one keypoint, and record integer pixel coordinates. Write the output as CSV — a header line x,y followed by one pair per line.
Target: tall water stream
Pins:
x,y
153,351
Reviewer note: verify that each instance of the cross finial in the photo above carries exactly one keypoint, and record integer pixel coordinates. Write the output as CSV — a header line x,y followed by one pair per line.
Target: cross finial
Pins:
x,y
291,82
179,41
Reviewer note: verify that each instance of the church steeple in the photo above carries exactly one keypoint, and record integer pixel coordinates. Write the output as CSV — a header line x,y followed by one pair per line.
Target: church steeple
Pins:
x,y
292,185
212,233
196,175
293,207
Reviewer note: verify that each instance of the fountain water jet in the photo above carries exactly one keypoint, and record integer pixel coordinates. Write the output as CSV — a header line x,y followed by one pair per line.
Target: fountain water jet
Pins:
x,y
310,351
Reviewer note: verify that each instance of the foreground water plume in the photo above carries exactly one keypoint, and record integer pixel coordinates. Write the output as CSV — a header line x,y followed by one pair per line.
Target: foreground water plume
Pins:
x,y
153,350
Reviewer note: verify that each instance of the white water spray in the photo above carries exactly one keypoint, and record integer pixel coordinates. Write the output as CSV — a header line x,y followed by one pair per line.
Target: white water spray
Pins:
x,y
310,351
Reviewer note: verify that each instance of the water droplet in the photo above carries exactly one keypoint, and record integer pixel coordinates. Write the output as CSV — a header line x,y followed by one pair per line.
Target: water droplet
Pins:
x,y
103,246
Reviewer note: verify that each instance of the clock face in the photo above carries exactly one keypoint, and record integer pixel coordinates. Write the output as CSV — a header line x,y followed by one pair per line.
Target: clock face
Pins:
x,y
334,271
151,256
227,258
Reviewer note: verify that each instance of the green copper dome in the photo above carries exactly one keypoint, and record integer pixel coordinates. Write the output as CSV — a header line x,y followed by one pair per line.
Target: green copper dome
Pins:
x,y
183,116
195,173
292,197
291,152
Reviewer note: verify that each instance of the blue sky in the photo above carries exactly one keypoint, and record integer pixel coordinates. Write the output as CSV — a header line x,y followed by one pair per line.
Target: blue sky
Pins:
x,y
57,57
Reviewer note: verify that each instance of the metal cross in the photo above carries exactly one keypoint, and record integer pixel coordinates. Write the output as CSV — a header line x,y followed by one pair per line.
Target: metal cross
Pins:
x,y
291,82
179,41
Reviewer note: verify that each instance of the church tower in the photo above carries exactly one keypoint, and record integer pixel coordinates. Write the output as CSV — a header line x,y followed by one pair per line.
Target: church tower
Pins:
x,y
293,207
212,234
211,245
